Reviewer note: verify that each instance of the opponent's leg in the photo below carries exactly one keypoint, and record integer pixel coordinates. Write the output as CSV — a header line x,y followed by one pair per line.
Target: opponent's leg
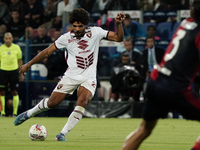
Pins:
x,y
197,144
84,97
45,104
135,138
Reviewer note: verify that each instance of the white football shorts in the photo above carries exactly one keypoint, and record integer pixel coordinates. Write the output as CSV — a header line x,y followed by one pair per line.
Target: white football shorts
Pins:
x,y
69,85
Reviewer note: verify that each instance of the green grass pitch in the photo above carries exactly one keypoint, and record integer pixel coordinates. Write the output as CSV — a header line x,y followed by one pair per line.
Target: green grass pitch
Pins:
x,y
98,134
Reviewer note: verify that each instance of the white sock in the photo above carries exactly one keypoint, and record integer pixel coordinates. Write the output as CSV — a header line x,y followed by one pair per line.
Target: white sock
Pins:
x,y
73,119
40,107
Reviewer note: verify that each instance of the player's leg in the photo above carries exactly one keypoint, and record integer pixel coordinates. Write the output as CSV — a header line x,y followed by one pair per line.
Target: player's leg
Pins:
x,y
47,103
84,97
64,88
55,99
15,102
190,100
135,138
197,144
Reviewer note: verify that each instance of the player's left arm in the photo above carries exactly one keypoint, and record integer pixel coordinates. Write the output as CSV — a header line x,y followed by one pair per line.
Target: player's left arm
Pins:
x,y
42,55
119,35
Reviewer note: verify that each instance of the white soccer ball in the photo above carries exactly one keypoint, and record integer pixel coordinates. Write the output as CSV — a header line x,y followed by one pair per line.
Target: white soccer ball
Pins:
x,y
37,132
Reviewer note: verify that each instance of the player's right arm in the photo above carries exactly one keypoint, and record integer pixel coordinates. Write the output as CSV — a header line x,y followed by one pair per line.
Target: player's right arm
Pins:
x,y
119,35
42,55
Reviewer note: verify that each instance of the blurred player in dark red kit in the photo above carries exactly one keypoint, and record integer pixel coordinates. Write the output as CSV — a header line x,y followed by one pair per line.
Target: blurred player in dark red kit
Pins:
x,y
170,84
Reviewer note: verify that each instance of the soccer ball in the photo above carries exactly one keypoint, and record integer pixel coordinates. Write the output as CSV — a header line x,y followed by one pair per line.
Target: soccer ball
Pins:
x,y
37,132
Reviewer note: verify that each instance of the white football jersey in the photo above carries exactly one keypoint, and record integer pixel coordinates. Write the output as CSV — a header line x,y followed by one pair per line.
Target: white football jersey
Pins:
x,y
82,54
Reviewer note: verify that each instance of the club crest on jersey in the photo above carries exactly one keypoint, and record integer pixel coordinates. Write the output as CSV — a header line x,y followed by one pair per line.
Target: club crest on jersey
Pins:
x,y
59,86
89,34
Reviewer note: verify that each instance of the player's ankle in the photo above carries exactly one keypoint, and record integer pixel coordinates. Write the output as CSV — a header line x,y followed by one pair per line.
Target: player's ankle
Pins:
x,y
62,134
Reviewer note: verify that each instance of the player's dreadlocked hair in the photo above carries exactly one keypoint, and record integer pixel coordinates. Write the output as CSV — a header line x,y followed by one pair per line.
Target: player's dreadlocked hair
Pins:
x,y
79,15
196,10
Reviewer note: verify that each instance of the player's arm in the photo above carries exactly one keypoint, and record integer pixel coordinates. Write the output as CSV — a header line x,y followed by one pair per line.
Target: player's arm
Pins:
x,y
42,55
20,63
119,35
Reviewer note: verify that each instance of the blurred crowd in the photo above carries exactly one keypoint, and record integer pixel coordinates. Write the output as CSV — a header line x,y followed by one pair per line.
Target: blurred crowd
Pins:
x,y
16,15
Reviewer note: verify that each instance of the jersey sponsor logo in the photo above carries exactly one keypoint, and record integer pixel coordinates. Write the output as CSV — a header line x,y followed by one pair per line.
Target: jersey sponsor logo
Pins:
x,y
84,63
73,40
59,86
84,51
82,44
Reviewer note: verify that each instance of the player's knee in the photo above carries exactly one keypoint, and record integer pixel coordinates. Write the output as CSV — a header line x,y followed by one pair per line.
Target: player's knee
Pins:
x,y
145,131
83,102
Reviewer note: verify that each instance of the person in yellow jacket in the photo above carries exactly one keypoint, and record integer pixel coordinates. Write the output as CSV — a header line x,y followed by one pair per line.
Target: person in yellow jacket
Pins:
x,y
10,61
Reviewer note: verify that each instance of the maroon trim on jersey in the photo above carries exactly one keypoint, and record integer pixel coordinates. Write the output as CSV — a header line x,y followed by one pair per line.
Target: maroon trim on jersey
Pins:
x,y
107,35
66,56
197,41
55,45
192,99
67,70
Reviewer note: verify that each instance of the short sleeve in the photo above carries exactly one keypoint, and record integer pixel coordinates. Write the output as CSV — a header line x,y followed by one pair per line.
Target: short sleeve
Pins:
x,y
19,54
102,33
61,42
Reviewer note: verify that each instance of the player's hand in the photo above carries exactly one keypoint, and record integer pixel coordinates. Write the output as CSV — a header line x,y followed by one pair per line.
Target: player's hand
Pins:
x,y
24,68
21,77
120,17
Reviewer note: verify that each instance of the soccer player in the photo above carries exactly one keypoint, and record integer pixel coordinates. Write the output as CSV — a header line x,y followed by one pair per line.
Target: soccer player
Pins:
x,y
170,83
11,60
82,44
